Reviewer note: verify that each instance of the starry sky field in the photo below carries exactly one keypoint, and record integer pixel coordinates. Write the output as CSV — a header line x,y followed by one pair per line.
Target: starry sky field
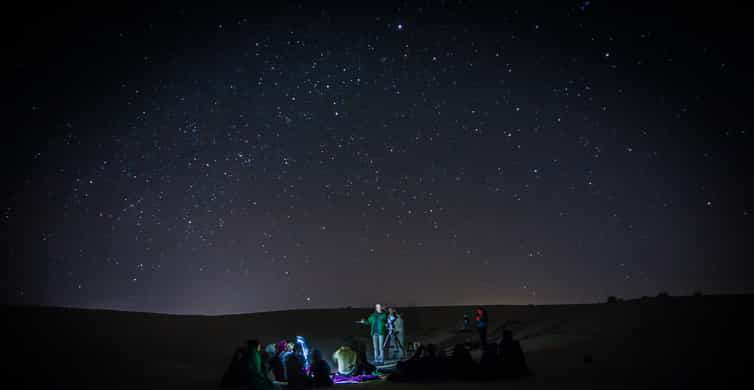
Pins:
x,y
314,154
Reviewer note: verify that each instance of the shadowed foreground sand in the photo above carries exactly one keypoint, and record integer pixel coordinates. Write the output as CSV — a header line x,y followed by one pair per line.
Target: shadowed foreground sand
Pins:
x,y
676,342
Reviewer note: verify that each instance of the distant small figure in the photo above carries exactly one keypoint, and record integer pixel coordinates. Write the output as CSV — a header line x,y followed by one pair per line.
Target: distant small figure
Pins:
x,y
513,362
481,325
346,359
319,373
257,379
465,322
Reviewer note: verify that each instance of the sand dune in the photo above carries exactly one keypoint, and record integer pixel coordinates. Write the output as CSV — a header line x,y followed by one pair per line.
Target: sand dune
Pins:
x,y
677,342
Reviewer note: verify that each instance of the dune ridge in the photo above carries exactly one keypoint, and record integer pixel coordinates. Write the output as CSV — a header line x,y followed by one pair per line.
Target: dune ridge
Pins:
x,y
682,342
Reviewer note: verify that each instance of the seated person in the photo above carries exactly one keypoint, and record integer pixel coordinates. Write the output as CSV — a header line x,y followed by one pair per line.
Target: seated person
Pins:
x,y
512,361
429,364
275,364
418,353
489,364
288,351
294,368
461,365
257,379
265,363
409,370
441,369
427,361
319,371
363,367
346,359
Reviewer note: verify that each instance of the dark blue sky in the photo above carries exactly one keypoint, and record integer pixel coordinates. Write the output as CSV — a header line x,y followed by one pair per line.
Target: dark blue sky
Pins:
x,y
191,160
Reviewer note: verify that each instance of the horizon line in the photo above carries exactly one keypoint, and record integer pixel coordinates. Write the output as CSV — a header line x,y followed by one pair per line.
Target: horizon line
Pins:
x,y
350,307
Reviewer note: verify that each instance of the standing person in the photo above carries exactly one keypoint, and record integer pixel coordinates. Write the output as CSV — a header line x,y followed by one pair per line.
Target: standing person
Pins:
x,y
377,330
465,322
481,325
394,331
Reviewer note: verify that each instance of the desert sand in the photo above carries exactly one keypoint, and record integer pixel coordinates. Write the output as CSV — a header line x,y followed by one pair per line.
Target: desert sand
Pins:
x,y
671,343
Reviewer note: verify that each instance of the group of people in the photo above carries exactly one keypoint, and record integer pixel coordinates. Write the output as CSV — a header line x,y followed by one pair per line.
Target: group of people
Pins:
x,y
499,361
285,361
293,363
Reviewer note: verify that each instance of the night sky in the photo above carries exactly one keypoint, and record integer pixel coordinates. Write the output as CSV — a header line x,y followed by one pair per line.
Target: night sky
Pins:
x,y
234,159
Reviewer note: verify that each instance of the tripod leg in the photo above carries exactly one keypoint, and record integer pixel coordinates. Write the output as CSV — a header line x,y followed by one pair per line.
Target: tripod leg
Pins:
x,y
400,345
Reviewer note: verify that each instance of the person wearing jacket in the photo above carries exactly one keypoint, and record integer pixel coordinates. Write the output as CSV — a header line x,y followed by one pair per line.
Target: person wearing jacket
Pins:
x,y
377,330
481,325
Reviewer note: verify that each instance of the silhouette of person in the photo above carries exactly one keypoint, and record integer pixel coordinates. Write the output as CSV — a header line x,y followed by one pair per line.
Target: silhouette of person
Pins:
x,y
513,362
482,321
489,364
275,363
257,378
461,366
287,351
320,370
363,367
294,368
